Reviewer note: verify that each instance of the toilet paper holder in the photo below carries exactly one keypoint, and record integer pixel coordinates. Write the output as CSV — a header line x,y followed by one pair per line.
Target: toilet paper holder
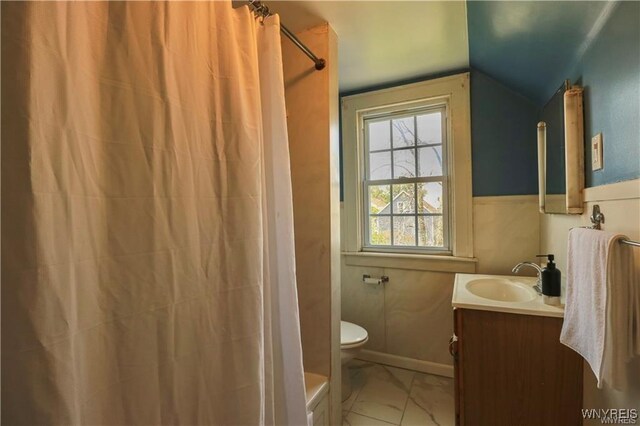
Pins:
x,y
367,279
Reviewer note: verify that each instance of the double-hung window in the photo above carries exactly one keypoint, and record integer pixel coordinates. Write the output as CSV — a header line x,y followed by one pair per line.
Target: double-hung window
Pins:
x,y
405,190
407,176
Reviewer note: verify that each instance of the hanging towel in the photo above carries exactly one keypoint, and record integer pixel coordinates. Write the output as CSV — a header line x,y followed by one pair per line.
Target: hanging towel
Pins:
x,y
602,312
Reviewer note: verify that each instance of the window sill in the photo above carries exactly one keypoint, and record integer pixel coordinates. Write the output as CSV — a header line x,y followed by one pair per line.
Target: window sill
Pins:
x,y
418,262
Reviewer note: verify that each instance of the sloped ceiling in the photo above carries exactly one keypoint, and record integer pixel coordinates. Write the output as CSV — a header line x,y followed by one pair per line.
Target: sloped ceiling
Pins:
x,y
529,46
381,42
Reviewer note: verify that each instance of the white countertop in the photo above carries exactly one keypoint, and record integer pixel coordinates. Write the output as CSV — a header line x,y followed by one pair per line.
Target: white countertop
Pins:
x,y
463,298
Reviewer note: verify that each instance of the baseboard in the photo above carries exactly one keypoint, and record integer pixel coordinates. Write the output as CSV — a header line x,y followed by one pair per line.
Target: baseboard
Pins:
x,y
407,363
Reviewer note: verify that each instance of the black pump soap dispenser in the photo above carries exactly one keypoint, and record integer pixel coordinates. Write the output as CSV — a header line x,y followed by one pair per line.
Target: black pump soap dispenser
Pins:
x,y
550,281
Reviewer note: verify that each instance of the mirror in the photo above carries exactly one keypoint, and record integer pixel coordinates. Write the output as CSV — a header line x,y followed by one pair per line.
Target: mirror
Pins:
x,y
561,152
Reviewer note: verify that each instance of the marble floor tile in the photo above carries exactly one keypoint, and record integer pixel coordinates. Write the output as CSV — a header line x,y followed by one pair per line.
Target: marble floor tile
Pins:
x,y
383,395
384,392
431,401
346,405
353,419
357,370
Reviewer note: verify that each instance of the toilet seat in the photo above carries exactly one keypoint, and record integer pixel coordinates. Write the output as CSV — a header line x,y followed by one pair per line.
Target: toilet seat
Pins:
x,y
352,335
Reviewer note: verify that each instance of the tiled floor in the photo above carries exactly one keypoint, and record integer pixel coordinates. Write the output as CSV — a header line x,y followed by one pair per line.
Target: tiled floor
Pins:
x,y
385,395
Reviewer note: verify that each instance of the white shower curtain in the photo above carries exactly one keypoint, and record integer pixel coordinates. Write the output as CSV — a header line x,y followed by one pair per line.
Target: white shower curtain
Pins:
x,y
147,231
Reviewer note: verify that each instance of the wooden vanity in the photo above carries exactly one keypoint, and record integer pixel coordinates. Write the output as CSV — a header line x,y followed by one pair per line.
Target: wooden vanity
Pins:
x,y
511,369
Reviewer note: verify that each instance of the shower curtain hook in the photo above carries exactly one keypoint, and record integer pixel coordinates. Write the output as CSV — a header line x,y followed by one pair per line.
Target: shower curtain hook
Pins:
x,y
261,10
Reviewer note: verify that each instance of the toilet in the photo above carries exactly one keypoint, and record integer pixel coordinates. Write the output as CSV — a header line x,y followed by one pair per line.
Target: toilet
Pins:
x,y
352,338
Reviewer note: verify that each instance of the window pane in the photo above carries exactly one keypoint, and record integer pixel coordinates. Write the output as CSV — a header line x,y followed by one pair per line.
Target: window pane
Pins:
x,y
430,231
404,163
379,135
403,198
430,197
380,230
429,128
403,132
379,197
404,232
404,212
430,161
380,165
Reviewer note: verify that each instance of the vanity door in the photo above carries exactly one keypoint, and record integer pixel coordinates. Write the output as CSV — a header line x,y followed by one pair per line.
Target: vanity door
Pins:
x,y
511,369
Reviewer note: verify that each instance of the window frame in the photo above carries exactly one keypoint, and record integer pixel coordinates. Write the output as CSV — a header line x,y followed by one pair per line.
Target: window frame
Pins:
x,y
454,90
423,106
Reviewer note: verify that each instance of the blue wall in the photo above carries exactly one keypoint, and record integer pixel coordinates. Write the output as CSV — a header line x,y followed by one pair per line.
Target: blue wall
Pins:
x,y
503,122
503,135
503,138
529,45
610,73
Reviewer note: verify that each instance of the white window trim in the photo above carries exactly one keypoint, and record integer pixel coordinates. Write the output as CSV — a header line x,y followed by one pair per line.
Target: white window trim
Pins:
x,y
454,90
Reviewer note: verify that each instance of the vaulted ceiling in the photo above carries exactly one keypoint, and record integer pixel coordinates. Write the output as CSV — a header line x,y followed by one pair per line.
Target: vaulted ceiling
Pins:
x,y
386,41
530,46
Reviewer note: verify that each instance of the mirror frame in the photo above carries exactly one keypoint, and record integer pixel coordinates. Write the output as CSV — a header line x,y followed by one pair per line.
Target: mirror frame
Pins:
x,y
574,154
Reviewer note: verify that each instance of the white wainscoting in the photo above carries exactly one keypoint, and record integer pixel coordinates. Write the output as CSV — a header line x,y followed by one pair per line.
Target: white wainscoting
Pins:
x,y
506,230
410,319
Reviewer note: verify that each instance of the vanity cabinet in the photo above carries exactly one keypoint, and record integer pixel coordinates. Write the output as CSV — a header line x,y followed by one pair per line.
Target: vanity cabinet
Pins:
x,y
511,369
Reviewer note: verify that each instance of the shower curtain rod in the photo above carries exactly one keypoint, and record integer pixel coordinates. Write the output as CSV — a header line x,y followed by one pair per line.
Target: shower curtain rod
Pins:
x,y
263,11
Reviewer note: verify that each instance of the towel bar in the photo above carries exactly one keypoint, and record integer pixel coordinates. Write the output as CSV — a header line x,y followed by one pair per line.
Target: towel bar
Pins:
x,y
631,243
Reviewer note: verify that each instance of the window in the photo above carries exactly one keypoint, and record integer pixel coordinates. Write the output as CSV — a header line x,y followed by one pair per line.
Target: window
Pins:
x,y
404,182
407,176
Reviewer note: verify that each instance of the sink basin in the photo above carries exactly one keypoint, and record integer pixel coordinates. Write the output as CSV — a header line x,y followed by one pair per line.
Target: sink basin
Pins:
x,y
502,290
501,293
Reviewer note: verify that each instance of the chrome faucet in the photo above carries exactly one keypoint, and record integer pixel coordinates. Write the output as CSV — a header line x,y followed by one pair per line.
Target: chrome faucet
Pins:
x,y
538,286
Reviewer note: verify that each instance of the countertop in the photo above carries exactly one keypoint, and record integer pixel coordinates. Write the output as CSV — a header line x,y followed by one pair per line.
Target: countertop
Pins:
x,y
463,298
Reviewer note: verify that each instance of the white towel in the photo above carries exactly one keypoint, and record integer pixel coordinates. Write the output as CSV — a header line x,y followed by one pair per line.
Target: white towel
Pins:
x,y
602,312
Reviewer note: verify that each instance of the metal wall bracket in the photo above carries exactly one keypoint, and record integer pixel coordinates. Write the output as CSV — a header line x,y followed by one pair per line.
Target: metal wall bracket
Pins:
x,y
597,218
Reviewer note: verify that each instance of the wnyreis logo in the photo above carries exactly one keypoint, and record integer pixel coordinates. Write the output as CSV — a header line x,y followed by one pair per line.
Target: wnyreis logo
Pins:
x,y
612,416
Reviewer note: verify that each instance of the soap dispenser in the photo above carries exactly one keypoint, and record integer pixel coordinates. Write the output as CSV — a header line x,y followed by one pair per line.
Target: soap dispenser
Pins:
x,y
550,281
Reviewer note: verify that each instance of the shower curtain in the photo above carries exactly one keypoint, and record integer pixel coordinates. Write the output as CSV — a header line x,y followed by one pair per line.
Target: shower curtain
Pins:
x,y
147,228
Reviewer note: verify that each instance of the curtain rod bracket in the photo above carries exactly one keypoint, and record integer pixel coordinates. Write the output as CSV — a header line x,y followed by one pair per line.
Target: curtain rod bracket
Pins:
x,y
263,11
